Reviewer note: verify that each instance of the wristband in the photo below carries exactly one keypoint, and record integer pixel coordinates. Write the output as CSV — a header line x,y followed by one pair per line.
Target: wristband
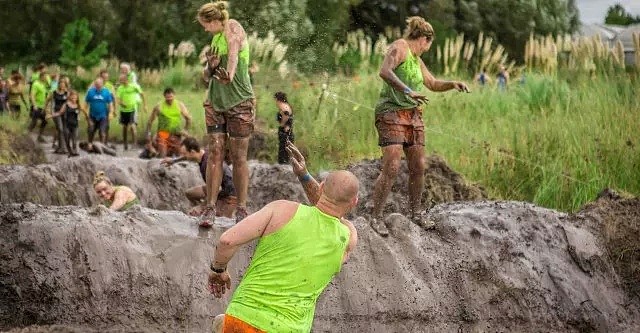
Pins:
x,y
305,178
407,90
217,270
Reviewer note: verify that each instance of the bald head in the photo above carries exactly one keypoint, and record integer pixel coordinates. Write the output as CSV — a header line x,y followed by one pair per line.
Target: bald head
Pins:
x,y
341,187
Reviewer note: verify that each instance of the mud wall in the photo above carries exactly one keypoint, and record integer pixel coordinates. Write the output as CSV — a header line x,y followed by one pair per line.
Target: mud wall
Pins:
x,y
488,266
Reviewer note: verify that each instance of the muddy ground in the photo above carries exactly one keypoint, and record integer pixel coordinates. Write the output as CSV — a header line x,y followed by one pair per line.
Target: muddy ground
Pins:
x,y
487,266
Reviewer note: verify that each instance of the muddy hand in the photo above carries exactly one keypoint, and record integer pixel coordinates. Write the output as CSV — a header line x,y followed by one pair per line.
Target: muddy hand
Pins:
x,y
296,159
460,86
167,161
222,75
213,59
421,99
219,283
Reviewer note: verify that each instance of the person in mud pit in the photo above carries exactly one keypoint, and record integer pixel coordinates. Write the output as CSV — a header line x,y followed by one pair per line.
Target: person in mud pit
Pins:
x,y
170,113
287,231
96,147
190,150
119,198
230,104
398,117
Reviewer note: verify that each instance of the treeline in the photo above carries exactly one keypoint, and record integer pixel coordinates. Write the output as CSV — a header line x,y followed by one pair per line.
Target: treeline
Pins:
x,y
140,31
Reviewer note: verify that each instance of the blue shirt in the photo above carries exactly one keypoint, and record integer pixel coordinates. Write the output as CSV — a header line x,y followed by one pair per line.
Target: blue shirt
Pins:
x,y
98,102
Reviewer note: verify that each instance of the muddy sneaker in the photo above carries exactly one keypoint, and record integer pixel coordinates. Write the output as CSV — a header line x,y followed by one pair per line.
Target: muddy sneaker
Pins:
x,y
377,224
41,139
208,217
241,214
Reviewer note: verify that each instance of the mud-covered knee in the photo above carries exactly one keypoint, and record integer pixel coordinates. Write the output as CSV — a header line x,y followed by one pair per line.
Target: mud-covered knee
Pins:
x,y
418,166
392,168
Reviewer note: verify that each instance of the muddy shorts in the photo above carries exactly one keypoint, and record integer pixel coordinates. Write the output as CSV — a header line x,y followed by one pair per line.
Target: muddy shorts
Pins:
x,y
237,121
39,114
168,141
234,325
401,127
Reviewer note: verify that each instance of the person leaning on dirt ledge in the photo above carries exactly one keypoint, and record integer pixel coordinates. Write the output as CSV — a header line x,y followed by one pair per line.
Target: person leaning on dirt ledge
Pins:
x,y
399,117
300,249
118,198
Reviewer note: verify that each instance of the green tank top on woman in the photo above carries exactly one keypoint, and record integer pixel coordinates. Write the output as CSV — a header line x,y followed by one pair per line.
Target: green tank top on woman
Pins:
x,y
408,72
170,118
225,96
126,206
289,270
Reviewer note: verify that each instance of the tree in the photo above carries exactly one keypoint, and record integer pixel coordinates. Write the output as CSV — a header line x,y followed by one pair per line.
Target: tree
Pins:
x,y
75,40
617,15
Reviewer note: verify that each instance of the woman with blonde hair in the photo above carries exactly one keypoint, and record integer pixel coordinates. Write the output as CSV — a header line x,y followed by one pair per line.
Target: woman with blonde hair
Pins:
x,y
118,198
398,116
230,105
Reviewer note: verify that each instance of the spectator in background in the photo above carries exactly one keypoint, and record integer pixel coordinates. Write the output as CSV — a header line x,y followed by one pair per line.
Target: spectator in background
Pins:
x,y
1,72
125,69
503,78
100,102
38,98
59,98
285,126
128,95
68,113
4,96
16,93
482,78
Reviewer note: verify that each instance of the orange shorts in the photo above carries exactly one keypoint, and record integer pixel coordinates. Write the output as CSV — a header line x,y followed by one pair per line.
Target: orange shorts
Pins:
x,y
234,325
170,142
401,127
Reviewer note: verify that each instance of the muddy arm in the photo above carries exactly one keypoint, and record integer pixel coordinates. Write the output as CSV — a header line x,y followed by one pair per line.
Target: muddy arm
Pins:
x,y
119,200
310,185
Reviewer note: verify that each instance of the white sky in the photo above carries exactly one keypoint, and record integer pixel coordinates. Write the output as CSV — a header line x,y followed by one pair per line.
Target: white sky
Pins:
x,y
594,11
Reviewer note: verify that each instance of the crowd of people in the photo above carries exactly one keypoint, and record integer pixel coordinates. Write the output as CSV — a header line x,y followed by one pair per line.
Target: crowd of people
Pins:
x,y
301,247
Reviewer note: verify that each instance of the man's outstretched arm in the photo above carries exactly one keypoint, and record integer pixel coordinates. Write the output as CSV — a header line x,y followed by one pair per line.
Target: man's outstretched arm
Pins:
x,y
310,185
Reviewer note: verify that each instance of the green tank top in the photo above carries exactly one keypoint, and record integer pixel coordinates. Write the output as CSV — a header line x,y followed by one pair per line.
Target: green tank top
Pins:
x,y
408,72
126,206
170,118
289,270
225,96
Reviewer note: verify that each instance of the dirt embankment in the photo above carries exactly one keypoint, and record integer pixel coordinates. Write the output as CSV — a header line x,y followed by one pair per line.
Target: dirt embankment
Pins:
x,y
16,148
68,182
488,267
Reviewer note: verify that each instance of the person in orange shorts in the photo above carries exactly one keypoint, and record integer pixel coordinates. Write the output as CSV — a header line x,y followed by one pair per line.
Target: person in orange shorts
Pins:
x,y
170,114
226,204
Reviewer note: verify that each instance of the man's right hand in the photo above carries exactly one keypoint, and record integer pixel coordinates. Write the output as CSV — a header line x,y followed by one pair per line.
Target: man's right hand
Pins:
x,y
296,159
421,99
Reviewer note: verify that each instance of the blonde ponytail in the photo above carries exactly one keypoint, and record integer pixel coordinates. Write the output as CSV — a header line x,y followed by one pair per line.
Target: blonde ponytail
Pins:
x,y
418,27
101,177
213,11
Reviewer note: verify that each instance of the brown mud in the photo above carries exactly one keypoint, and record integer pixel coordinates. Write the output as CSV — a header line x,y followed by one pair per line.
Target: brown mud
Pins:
x,y
487,266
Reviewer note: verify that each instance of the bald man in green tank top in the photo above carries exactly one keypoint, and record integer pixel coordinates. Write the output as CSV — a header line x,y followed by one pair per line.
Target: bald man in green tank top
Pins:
x,y
301,248
398,117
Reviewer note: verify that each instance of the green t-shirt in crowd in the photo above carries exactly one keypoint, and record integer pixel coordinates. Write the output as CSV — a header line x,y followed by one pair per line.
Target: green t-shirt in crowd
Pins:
x,y
128,96
39,93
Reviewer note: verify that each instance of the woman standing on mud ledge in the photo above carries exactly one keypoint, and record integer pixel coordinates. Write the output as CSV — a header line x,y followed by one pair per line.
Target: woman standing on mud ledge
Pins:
x,y
230,105
118,198
399,117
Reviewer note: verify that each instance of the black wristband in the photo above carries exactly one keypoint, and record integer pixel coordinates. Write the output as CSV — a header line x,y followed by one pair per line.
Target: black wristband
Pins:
x,y
217,270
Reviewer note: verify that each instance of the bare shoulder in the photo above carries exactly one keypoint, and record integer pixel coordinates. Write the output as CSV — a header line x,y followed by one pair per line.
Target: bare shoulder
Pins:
x,y
280,212
398,47
235,29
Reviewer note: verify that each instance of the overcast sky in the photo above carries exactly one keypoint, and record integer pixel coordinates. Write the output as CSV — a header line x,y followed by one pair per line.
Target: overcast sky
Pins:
x,y
594,11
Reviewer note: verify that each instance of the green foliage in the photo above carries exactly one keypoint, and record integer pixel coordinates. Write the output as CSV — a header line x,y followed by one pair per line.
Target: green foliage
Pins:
x,y
75,40
617,15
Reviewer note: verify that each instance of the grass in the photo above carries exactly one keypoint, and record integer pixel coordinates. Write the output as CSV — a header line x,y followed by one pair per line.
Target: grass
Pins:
x,y
550,141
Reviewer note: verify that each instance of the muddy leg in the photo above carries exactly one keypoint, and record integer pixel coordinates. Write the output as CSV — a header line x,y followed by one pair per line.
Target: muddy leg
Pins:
x,y
390,166
238,149
214,166
417,165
